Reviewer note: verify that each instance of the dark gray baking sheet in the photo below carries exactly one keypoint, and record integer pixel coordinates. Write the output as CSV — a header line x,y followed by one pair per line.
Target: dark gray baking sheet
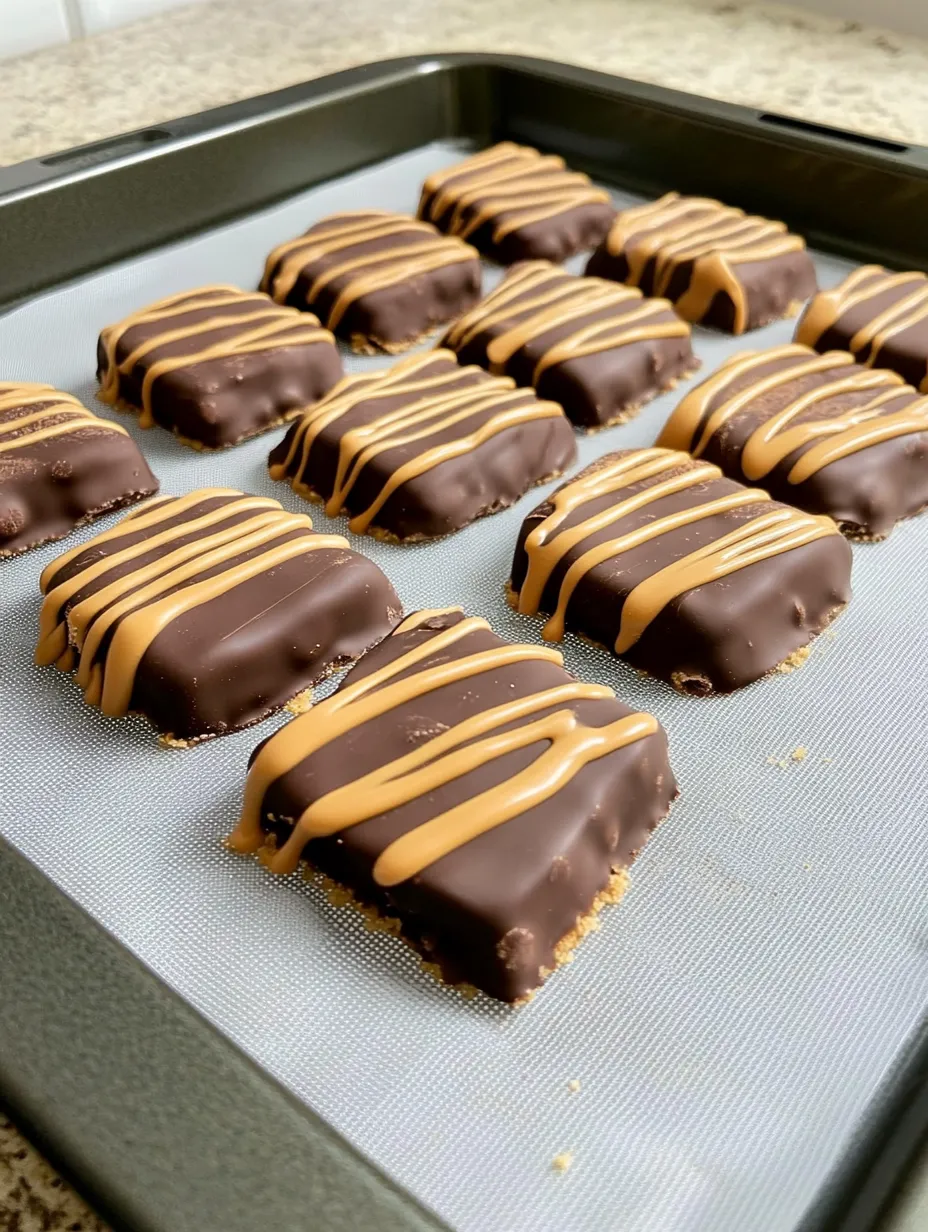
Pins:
x,y
732,1019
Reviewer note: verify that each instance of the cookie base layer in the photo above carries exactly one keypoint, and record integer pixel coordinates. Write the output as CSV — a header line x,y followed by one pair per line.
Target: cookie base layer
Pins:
x,y
688,683
340,895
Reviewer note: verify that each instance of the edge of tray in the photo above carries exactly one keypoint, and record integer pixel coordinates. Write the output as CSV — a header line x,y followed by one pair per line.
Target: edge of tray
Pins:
x,y
160,1120
157,1117
71,212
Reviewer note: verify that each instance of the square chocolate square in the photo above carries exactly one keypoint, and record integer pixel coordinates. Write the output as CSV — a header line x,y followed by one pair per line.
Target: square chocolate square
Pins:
x,y
718,265
207,612
597,347
469,788
423,448
216,365
379,280
515,204
686,574
818,431
881,317
60,466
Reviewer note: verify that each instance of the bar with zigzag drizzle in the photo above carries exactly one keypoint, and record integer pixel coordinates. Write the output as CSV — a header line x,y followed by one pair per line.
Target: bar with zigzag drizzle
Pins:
x,y
598,348
816,430
423,448
471,789
684,573
206,612
60,466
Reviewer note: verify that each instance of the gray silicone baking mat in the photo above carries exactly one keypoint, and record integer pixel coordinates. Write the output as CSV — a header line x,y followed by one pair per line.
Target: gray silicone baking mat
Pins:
x,y
731,1019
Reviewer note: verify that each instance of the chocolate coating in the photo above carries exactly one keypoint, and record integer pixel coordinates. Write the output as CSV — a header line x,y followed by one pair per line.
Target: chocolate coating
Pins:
x,y
50,484
491,912
515,205
716,637
867,491
442,498
698,253
596,389
218,400
879,316
230,661
380,281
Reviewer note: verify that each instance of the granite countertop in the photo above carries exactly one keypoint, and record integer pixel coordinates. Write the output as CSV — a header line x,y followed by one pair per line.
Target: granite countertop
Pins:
x,y
189,59
769,56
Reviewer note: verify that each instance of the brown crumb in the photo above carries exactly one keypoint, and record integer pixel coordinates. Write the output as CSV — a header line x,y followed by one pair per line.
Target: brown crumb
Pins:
x,y
800,753
561,1163
301,703
171,742
796,659
573,1086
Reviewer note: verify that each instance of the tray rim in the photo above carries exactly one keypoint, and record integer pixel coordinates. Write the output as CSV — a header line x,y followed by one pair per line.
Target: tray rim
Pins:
x,y
34,1025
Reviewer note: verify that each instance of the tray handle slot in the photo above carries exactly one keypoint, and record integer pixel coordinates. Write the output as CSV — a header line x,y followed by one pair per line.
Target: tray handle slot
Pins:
x,y
835,134
103,151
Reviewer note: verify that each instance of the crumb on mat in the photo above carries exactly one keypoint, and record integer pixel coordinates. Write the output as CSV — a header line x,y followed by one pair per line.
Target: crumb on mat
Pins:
x,y
561,1163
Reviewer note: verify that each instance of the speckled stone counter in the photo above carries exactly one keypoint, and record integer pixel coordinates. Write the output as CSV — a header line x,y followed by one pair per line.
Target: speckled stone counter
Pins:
x,y
189,59
767,56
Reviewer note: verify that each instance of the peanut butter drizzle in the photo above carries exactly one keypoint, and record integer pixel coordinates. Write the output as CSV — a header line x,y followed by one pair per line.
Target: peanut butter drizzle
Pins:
x,y
140,600
777,437
16,396
430,408
393,265
439,761
766,534
149,513
561,300
523,185
868,282
272,327
716,240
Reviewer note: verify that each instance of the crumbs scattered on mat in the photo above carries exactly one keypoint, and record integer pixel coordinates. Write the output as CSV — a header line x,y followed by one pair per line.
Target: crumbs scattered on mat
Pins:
x,y
560,1163
573,1086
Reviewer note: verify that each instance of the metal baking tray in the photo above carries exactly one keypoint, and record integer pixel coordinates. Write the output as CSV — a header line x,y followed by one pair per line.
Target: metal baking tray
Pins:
x,y
200,1047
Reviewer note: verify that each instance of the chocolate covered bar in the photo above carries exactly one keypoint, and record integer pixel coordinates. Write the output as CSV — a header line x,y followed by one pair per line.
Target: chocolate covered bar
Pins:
x,y
469,788
514,204
598,348
60,466
816,430
879,316
381,281
216,365
718,265
686,574
207,612
421,449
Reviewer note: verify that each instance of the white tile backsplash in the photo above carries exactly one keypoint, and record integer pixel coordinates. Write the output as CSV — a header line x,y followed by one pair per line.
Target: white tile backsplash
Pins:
x,y
100,15
26,25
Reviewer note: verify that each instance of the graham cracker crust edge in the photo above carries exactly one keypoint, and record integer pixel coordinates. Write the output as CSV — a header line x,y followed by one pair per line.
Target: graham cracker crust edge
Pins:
x,y
793,661
340,895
